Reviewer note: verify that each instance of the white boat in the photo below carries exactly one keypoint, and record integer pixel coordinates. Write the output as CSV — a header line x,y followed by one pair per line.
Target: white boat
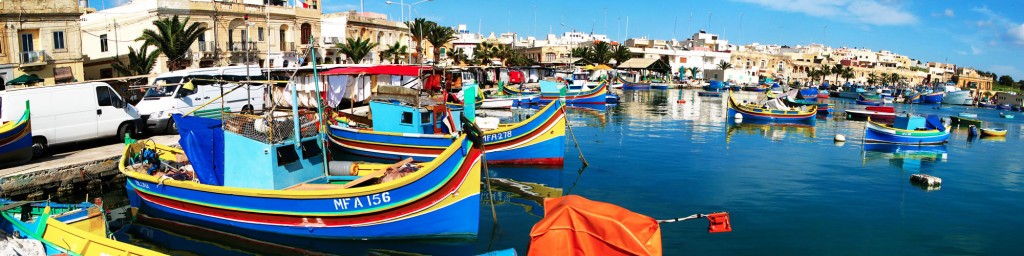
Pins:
x,y
496,103
958,98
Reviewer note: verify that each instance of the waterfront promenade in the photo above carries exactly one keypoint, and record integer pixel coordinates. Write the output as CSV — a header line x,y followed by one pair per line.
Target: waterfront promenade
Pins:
x,y
68,165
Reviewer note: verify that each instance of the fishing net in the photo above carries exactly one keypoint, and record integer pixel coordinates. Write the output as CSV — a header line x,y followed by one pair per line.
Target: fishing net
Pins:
x,y
272,127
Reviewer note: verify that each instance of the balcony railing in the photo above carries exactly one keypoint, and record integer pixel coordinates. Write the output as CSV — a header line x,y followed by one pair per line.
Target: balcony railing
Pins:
x,y
241,46
207,46
288,46
33,57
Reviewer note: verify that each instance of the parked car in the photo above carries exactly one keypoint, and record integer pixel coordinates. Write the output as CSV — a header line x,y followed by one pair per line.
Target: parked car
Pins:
x,y
70,113
168,94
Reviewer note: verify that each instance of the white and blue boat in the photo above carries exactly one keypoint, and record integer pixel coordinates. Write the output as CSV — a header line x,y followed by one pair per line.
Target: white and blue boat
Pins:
x,y
914,130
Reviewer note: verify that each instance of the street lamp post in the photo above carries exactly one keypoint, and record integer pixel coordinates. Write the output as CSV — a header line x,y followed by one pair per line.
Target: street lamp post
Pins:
x,y
401,5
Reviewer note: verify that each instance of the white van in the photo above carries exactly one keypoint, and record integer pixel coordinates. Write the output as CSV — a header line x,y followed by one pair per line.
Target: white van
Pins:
x,y
70,113
168,96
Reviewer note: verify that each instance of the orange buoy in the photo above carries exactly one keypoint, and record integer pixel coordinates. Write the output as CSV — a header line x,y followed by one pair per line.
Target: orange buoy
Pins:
x,y
681,101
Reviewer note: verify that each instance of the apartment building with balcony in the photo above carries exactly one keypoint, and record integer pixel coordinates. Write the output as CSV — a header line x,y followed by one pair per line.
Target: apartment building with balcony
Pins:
x,y
41,38
367,25
269,33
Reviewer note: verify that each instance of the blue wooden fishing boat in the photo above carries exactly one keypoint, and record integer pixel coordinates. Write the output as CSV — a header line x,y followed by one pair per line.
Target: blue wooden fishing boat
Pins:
x,y
16,139
80,231
984,104
756,112
267,174
869,99
823,107
538,140
908,130
935,97
659,86
809,93
715,86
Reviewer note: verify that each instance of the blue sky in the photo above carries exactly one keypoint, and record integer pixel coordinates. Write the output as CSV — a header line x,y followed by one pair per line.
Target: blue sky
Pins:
x,y
987,35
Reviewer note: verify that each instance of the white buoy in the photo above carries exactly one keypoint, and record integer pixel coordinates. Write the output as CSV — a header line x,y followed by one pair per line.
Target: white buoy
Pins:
x,y
840,143
926,180
739,116
840,138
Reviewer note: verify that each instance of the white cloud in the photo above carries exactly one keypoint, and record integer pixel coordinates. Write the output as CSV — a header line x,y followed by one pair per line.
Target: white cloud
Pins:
x,y
961,52
1016,34
869,12
337,7
948,13
975,50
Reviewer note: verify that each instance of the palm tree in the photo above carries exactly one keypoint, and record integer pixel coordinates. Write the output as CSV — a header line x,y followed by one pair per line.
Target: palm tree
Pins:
x,y
824,72
438,36
582,52
847,73
501,51
837,70
173,37
139,62
517,58
872,79
395,51
724,65
602,52
621,54
894,78
419,28
457,55
356,48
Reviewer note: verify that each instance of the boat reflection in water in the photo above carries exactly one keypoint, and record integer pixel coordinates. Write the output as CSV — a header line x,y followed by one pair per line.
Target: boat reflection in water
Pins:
x,y
767,129
910,158
187,239
590,116
524,187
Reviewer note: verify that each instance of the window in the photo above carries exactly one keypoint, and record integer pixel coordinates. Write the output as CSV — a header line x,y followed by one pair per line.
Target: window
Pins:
x,y
106,73
58,40
425,117
307,33
103,43
259,32
406,117
103,96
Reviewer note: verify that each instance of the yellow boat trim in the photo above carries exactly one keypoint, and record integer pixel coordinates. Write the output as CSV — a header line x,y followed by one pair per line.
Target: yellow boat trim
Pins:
x,y
428,167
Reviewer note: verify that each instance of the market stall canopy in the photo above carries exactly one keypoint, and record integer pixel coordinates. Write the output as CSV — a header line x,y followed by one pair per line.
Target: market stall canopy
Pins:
x,y
25,79
397,70
646,63
602,67
588,67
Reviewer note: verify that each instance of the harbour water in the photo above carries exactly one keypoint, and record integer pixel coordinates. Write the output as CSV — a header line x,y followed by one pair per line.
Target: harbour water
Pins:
x,y
788,188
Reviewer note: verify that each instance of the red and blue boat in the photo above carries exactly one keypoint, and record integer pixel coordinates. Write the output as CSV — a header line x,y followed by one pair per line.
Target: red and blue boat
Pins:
x,y
16,139
914,130
765,113
245,182
538,140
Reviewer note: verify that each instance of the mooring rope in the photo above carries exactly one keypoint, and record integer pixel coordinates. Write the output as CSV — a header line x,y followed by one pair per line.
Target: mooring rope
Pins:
x,y
569,127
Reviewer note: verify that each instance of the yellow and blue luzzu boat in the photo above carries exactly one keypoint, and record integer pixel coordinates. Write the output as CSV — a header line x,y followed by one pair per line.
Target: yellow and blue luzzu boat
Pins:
x,y
77,232
750,111
538,140
16,139
278,185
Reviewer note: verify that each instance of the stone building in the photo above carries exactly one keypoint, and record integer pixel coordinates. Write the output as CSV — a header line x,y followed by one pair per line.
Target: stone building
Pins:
x,y
270,34
366,25
41,38
968,78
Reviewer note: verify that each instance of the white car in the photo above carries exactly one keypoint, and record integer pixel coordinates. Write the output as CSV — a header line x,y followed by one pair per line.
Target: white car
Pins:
x,y
167,95
70,113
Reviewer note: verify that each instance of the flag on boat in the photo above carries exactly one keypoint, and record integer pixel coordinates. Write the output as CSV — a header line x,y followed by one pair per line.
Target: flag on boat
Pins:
x,y
448,123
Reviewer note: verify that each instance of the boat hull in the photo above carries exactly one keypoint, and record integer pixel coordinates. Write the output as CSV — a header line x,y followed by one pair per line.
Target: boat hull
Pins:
x,y
964,121
932,98
993,132
16,140
596,95
539,140
636,86
659,86
441,199
869,103
880,133
849,95
958,98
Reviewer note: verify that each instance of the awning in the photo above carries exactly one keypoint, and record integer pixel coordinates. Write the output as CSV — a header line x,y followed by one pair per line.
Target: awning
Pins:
x,y
378,70
344,71
25,79
645,63
62,73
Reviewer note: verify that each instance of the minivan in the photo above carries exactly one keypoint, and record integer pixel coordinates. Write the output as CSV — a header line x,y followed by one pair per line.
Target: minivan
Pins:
x,y
183,91
70,113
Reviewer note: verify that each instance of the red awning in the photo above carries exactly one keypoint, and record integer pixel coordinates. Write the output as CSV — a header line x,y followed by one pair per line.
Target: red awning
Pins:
x,y
396,70
378,70
344,71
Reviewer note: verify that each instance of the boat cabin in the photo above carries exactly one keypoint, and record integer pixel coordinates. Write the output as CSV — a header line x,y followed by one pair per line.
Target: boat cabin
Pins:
x,y
394,116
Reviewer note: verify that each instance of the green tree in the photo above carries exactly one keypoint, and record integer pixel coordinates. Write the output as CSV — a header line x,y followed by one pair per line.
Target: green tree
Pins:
x,y
1006,80
847,75
395,51
438,36
837,70
724,65
583,52
356,48
458,56
419,28
602,52
872,79
824,71
139,62
173,37
483,53
503,52
621,54
518,59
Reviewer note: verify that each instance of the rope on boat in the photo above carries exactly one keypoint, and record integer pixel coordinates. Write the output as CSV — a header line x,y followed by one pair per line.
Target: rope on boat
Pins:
x,y
569,127
474,134
694,216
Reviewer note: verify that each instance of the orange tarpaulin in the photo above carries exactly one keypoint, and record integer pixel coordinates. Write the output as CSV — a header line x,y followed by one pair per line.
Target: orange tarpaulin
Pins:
x,y
573,225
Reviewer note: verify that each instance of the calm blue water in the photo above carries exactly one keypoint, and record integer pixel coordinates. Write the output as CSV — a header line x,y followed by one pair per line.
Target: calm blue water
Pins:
x,y
789,188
